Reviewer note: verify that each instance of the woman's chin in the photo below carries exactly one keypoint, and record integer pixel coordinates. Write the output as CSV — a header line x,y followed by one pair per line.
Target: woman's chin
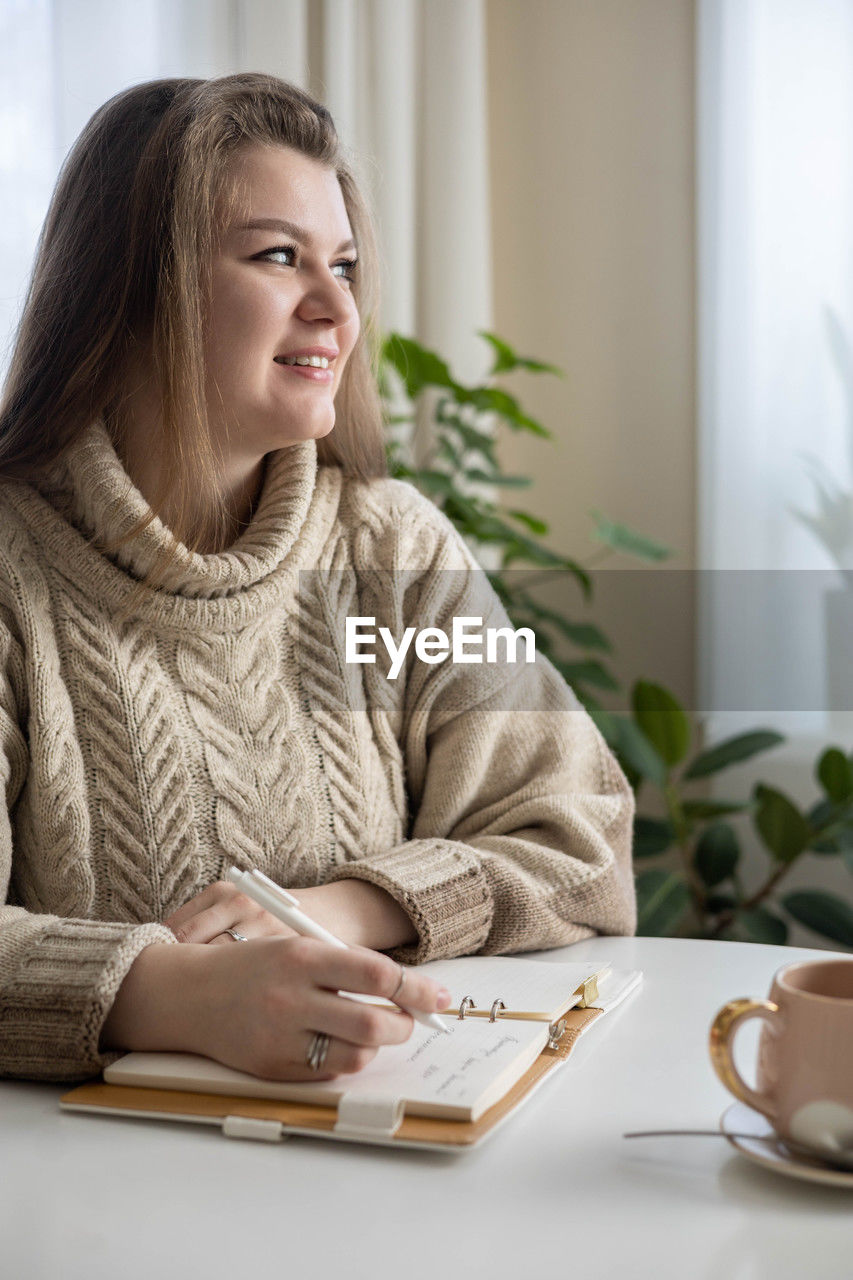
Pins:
x,y
298,432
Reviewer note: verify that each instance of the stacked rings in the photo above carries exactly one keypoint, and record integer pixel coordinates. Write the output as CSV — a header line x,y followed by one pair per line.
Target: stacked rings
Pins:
x,y
317,1050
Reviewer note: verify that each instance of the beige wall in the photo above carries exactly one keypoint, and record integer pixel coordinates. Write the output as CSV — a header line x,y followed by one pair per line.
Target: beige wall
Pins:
x,y
591,138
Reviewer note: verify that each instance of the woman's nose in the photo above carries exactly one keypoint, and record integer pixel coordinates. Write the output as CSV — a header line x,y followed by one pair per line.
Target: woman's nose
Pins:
x,y
327,299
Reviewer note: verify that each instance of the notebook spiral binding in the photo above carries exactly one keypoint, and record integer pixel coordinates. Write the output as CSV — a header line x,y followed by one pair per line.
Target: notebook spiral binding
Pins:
x,y
555,1029
588,992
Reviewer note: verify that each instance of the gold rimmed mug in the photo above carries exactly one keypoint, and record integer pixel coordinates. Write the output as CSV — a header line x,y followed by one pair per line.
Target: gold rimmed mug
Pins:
x,y
804,1078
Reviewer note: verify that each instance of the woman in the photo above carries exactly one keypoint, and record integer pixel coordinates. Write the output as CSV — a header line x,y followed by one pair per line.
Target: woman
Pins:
x,y
176,694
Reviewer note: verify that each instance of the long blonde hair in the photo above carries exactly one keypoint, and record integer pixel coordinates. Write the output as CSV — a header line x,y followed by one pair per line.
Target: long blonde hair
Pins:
x,y
123,265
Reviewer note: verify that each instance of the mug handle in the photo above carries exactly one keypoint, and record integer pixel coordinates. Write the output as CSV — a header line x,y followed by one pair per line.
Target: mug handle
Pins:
x,y
728,1020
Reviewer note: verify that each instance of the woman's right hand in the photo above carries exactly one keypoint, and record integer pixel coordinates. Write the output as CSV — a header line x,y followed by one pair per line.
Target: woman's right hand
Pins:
x,y
257,1005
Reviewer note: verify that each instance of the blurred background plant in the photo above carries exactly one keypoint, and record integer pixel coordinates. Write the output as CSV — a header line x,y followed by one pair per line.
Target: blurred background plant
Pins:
x,y
461,472
697,842
704,893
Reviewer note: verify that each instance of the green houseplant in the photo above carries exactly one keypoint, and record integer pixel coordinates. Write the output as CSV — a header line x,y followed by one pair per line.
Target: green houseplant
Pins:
x,y
704,892
695,844
462,474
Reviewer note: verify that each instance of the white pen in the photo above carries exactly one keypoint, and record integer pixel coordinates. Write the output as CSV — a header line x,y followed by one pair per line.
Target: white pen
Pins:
x,y
281,904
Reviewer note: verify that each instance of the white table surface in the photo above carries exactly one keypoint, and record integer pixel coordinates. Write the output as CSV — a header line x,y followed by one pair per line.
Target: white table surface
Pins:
x,y
557,1191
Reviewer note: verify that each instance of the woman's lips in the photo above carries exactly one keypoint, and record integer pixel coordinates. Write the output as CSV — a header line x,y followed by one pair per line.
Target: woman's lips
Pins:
x,y
308,371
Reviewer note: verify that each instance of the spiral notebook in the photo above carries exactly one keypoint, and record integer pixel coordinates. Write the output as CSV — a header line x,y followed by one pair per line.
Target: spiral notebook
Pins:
x,y
514,1022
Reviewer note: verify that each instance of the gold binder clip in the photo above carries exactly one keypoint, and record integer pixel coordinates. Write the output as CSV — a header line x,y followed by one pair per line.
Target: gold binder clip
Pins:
x,y
588,992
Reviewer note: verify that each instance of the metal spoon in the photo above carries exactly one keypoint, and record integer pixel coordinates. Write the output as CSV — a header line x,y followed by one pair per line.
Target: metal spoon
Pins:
x,y
843,1160
698,1133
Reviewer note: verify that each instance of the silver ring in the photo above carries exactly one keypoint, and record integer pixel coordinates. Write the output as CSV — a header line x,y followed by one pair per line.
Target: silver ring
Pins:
x,y
318,1050
238,937
495,1009
399,986
466,1005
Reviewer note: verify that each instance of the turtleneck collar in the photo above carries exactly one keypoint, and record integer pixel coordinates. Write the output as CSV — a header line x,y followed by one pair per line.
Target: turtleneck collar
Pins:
x,y
91,491
103,503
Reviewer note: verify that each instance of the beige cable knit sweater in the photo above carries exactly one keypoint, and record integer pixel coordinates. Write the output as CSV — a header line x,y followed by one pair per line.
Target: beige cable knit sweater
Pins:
x,y
221,724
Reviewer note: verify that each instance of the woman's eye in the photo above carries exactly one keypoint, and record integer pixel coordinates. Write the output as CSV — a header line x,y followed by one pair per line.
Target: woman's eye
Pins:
x,y
285,256
287,250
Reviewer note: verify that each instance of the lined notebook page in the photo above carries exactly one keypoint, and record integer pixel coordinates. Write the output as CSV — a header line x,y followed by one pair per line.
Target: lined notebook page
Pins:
x,y
457,1076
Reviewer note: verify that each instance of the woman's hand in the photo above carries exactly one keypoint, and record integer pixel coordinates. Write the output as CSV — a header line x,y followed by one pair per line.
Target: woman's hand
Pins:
x,y
258,1007
276,994
222,906
357,912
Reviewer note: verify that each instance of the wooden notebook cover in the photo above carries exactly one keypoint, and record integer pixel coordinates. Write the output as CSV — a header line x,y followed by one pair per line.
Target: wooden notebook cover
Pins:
x,y
457,1133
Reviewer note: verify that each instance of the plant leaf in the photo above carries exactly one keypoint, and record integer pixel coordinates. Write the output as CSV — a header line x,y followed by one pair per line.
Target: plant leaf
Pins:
x,y
496,478
651,836
821,813
699,810
618,537
825,913
473,440
835,775
434,481
825,847
837,835
417,365
780,824
588,672
446,449
662,899
584,634
732,751
633,746
533,523
661,718
717,853
636,754
493,400
477,519
763,926
506,359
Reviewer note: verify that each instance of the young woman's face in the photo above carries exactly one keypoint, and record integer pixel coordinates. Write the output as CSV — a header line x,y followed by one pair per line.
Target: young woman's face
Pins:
x,y
280,292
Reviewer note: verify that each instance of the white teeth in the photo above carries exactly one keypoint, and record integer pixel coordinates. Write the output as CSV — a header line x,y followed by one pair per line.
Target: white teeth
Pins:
x,y
316,362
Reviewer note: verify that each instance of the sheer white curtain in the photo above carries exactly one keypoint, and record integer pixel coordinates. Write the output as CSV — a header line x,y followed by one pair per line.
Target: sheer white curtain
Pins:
x,y
404,79
775,203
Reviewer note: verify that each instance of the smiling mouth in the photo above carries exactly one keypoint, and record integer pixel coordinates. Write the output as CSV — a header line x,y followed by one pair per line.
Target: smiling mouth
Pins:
x,y
309,370
312,362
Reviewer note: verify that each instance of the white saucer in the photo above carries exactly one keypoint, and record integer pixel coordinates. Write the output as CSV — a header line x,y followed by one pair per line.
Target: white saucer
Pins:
x,y
765,1147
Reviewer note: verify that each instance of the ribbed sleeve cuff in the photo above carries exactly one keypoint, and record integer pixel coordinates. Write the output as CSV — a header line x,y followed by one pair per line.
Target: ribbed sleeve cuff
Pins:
x,y
64,988
441,887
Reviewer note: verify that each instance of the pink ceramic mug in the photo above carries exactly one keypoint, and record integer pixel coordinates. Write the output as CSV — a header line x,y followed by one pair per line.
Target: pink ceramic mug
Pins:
x,y
804,1082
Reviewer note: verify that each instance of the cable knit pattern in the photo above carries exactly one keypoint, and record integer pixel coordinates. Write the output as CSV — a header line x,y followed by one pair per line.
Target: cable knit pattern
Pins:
x,y
149,842
237,694
55,765
335,699
143,750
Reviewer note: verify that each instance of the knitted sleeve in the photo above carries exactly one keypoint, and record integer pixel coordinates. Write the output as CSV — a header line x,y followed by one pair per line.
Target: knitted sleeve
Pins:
x,y
58,976
520,818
